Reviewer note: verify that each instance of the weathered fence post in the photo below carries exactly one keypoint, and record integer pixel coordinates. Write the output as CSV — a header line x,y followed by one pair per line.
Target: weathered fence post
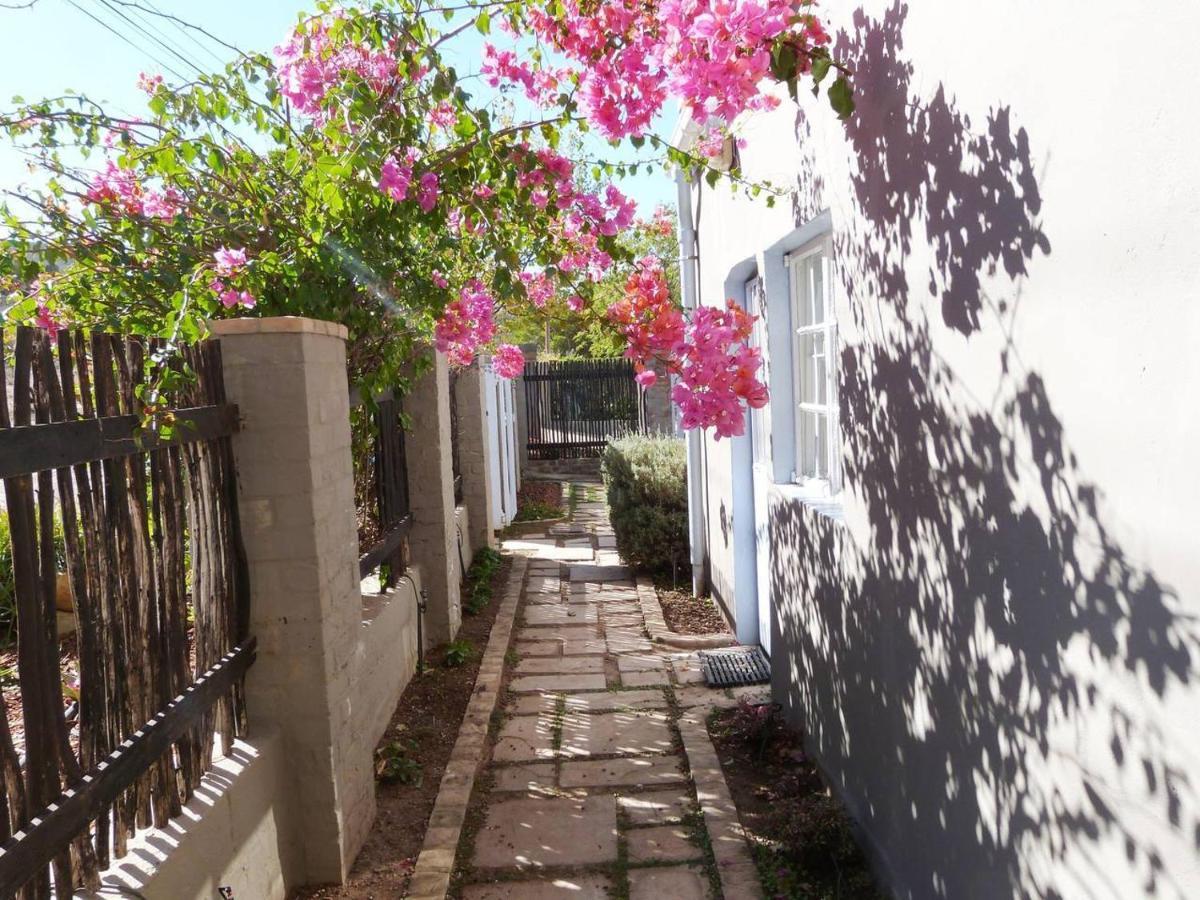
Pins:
x,y
473,451
296,499
433,540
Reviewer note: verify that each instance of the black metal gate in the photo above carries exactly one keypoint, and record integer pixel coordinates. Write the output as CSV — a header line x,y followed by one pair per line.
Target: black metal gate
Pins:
x,y
574,408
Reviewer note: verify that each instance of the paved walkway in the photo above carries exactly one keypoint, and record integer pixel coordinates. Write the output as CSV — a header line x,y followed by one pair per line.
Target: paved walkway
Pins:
x,y
601,780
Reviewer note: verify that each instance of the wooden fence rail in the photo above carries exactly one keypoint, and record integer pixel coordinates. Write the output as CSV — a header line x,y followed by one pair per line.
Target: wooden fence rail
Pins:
x,y
141,528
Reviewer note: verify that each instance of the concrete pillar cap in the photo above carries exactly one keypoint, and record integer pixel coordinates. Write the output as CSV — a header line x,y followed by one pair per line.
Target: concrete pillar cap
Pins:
x,y
278,325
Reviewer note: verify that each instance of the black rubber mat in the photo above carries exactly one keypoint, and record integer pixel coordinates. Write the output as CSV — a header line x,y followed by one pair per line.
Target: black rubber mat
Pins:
x,y
735,665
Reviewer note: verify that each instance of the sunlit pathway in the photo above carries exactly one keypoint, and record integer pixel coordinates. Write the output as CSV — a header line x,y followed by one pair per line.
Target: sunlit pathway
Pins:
x,y
588,789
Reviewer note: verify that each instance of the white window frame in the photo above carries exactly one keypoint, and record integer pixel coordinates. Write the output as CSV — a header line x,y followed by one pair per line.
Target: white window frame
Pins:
x,y
760,419
825,481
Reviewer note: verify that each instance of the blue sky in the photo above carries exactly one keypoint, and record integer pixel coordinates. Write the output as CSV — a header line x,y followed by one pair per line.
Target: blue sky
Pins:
x,y
57,45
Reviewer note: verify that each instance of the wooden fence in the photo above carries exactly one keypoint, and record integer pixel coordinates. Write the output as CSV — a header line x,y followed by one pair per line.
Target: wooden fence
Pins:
x,y
380,485
575,407
137,530
455,457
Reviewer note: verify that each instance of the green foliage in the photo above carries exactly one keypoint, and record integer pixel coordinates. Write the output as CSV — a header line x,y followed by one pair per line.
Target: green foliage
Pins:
x,y
8,588
477,588
535,511
396,762
459,653
646,479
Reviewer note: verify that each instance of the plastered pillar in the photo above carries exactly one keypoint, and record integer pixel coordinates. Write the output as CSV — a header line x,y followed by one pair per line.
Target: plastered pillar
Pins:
x,y
433,540
474,448
296,500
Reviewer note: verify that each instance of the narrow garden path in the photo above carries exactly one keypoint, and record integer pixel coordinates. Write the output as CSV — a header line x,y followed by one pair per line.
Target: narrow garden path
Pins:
x,y
597,777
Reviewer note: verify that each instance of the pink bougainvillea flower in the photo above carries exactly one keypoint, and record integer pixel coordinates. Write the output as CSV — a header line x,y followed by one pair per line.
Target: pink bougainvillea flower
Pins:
x,y
48,321
716,370
508,361
230,261
148,83
394,178
646,378
575,303
466,324
439,279
427,192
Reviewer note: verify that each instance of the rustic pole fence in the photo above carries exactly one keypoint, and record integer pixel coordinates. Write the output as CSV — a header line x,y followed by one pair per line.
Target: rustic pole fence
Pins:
x,y
137,529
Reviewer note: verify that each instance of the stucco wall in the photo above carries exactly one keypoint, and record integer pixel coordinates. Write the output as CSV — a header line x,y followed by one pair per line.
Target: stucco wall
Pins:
x,y
236,831
995,652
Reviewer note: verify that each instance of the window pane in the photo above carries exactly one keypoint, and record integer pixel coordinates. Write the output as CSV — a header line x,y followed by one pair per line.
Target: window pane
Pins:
x,y
812,368
816,265
814,440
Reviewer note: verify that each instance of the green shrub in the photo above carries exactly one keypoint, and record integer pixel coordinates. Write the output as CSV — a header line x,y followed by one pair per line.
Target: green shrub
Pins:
x,y
646,479
459,653
8,587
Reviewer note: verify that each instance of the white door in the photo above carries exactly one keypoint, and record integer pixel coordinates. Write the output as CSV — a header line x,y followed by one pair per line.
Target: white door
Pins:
x,y
760,438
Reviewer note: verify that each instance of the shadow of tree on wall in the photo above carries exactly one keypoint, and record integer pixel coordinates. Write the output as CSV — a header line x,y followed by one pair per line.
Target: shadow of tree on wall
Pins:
x,y
982,668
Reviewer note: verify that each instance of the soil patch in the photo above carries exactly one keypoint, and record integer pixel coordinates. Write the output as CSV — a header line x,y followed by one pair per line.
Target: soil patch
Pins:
x,y
802,840
685,614
539,500
425,727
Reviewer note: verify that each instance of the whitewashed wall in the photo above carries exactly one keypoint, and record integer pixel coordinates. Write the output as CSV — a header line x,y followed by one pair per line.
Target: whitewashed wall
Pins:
x,y
995,652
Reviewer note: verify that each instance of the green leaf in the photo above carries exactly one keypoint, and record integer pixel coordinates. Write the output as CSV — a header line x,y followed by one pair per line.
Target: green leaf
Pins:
x,y
483,23
783,62
841,97
820,68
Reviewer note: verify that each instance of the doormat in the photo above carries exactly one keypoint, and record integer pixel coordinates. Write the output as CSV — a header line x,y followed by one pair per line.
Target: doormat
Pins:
x,y
735,665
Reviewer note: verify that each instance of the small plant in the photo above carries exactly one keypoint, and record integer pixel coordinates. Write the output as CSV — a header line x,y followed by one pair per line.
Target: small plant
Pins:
x,y
459,653
477,589
752,723
395,762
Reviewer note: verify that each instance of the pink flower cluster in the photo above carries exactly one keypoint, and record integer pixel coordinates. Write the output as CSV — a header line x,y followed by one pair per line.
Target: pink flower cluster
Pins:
x,y
121,188
230,264
508,361
395,176
541,84
716,369
48,320
466,324
310,63
631,55
149,83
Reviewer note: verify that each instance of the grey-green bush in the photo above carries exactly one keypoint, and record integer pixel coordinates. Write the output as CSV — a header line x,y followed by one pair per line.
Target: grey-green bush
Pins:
x,y
646,479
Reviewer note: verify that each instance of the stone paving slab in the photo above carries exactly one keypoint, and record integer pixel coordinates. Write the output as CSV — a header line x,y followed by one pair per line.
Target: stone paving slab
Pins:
x,y
556,615
612,733
572,665
663,843
615,700
537,648
574,887
533,704
581,632
625,772
526,683
669,883
525,777
524,738
548,832
599,573
656,807
591,647
644,679
640,662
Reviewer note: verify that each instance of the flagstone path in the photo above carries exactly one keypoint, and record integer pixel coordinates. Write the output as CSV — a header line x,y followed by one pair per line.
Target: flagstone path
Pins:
x,y
598,779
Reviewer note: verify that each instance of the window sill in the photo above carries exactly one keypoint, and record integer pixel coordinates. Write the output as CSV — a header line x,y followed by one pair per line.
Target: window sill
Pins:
x,y
819,502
